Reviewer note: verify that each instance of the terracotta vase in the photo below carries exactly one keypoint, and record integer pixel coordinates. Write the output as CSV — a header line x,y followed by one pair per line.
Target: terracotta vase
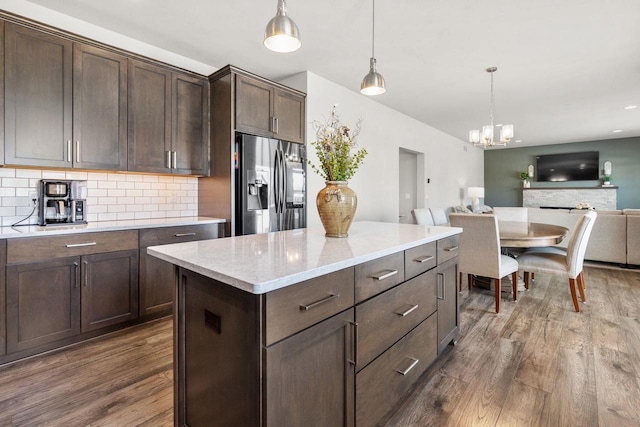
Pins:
x,y
337,205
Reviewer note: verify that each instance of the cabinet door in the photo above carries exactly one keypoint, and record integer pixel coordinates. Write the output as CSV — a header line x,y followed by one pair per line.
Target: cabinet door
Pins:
x,y
254,104
149,124
3,299
99,109
309,379
156,284
190,136
290,116
448,309
43,302
109,289
38,98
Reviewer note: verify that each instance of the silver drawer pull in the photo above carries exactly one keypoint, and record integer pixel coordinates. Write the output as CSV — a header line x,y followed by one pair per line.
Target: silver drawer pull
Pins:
x,y
406,371
382,276
424,258
451,249
413,307
317,303
80,245
184,234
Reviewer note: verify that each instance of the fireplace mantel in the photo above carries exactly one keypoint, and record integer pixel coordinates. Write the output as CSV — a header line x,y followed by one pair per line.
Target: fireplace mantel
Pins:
x,y
601,198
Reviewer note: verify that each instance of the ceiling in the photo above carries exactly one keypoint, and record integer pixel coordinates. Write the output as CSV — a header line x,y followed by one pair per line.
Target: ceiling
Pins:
x,y
566,69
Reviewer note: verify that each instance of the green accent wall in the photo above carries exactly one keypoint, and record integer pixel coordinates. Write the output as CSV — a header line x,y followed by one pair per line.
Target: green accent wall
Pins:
x,y
502,167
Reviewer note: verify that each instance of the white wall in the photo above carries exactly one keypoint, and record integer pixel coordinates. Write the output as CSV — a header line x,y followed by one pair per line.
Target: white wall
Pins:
x,y
450,164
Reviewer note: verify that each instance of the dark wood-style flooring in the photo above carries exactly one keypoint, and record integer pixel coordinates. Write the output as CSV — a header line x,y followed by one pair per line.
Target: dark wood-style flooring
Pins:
x,y
536,363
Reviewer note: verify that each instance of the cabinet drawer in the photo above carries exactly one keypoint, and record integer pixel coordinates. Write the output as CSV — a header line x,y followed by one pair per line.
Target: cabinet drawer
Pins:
x,y
377,275
386,318
419,259
448,248
28,249
380,385
291,309
184,233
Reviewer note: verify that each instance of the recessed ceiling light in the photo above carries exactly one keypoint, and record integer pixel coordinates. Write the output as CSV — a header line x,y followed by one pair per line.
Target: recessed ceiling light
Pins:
x,y
499,125
630,107
518,140
617,131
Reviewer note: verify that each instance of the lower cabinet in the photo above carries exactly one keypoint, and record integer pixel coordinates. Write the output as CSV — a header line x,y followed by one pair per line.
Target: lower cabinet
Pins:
x,y
3,295
51,300
448,308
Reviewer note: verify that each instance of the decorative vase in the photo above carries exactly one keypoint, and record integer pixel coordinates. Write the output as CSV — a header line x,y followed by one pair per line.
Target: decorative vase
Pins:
x,y
337,205
526,184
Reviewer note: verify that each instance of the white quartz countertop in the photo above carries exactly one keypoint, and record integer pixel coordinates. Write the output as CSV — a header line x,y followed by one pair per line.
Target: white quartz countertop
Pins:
x,y
36,230
261,263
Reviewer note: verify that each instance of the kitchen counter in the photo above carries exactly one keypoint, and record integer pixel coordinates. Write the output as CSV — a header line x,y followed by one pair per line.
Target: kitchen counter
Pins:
x,y
265,262
36,230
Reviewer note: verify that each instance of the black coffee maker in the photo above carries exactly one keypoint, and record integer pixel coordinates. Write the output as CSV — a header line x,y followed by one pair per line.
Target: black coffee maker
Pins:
x,y
62,202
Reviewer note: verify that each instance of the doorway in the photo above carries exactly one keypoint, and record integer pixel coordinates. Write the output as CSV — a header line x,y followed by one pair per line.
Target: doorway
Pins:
x,y
411,173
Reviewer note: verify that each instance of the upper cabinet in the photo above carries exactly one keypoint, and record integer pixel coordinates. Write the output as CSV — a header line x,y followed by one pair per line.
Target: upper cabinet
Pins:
x,y
69,104
267,110
167,121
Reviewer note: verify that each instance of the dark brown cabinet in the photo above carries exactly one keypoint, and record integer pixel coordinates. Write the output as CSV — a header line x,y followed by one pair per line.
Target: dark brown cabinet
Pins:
x,y
38,98
3,298
157,277
265,110
309,377
59,287
167,121
109,289
99,109
65,102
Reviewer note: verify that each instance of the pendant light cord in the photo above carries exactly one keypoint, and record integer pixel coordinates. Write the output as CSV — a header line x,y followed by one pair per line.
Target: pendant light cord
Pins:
x,y
491,107
373,31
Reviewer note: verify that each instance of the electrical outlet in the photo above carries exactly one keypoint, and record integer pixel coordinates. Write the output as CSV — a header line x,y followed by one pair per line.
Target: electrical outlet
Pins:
x,y
33,197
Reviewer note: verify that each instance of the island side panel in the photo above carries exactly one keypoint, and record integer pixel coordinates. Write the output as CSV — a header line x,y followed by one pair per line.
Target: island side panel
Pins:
x,y
217,353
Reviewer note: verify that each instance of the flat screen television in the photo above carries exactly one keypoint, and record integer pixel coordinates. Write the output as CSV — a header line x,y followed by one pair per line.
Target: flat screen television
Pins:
x,y
568,167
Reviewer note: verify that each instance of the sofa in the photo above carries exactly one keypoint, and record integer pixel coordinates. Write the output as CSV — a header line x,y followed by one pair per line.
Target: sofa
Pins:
x,y
615,237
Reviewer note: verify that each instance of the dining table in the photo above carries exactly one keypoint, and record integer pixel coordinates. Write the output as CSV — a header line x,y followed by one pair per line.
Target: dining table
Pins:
x,y
520,234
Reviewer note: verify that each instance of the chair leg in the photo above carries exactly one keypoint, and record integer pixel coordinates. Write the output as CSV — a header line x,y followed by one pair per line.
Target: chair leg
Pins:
x,y
574,297
527,278
498,287
460,281
584,283
469,280
581,287
514,285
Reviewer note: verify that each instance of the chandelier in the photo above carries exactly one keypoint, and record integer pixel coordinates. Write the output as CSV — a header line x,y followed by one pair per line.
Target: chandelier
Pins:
x,y
486,139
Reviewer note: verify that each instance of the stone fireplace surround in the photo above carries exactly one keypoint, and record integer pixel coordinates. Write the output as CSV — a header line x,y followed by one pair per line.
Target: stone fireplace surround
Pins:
x,y
600,198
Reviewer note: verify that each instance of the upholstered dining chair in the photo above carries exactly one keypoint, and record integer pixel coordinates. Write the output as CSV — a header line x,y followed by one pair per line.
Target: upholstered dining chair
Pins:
x,y
511,213
568,264
480,252
422,216
439,216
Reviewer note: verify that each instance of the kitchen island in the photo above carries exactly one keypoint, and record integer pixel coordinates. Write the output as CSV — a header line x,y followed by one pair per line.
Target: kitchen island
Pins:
x,y
293,328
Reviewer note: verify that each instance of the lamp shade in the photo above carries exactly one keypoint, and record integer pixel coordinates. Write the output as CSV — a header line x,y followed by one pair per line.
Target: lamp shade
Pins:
x,y
281,34
475,191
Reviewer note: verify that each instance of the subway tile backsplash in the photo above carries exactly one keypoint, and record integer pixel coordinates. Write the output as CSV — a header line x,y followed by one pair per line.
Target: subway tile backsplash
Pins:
x,y
110,196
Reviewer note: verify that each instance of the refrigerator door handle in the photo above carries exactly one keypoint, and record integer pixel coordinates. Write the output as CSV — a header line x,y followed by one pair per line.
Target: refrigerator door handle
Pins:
x,y
276,180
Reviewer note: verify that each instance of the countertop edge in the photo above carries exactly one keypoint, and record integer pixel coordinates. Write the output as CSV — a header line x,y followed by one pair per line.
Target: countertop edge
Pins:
x,y
299,276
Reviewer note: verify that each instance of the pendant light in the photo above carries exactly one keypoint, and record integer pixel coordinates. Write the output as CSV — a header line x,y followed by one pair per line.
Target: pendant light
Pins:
x,y
281,34
486,138
373,83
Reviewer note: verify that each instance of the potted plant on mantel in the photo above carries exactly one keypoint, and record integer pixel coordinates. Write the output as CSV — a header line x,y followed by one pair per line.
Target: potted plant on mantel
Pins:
x,y
524,176
336,202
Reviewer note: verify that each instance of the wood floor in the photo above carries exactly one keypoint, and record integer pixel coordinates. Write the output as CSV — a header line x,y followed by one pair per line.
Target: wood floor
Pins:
x,y
536,363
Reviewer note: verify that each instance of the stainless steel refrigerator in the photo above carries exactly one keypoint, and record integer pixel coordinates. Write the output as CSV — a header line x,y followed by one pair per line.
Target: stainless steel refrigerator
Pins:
x,y
271,185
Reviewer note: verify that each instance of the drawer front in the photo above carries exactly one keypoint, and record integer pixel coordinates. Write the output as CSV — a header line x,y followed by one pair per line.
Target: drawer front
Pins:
x,y
383,320
380,385
184,233
448,248
30,249
291,309
377,275
419,259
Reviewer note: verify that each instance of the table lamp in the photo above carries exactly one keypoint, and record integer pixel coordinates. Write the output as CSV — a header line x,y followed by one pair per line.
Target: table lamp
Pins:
x,y
475,193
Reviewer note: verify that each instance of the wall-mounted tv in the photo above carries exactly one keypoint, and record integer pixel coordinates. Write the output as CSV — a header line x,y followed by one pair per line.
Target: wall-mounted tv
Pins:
x,y
568,167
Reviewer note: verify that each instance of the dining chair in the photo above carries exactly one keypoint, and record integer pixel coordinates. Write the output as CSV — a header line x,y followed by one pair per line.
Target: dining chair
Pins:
x,y
422,216
480,252
569,264
439,216
511,213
